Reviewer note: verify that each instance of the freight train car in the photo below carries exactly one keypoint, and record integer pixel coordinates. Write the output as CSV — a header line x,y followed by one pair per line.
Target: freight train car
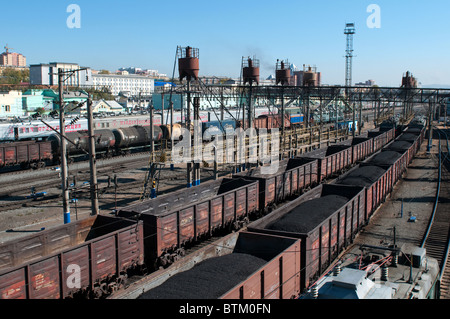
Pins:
x,y
107,142
326,219
135,136
332,160
414,139
257,266
101,249
32,154
381,137
328,223
292,178
104,142
214,128
362,147
376,182
268,121
176,220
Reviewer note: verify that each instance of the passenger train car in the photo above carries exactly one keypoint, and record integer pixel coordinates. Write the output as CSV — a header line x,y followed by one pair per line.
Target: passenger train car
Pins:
x,y
36,129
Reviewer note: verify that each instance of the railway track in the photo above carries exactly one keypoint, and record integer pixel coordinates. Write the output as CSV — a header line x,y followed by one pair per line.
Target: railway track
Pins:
x,y
14,194
16,189
436,240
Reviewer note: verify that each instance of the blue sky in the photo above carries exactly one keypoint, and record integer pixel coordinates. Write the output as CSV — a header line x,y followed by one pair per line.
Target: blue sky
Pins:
x,y
414,35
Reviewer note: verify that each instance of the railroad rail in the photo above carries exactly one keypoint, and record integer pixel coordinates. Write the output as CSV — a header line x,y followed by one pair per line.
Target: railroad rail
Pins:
x,y
436,239
236,195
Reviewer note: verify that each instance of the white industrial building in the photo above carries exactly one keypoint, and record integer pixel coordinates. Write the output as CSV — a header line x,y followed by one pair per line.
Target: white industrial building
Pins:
x,y
134,84
47,74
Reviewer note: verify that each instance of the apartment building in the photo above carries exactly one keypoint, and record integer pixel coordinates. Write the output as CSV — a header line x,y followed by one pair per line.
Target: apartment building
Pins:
x,y
134,85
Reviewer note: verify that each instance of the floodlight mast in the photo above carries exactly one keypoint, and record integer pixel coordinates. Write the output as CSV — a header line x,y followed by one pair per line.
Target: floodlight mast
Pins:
x,y
349,32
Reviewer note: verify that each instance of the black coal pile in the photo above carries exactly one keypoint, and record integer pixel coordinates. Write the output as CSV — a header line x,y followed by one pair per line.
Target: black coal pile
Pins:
x,y
415,131
209,279
363,176
359,140
399,145
333,149
385,158
306,216
407,137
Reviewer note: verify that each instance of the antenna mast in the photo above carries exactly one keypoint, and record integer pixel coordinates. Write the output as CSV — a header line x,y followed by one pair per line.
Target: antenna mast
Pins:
x,y
349,31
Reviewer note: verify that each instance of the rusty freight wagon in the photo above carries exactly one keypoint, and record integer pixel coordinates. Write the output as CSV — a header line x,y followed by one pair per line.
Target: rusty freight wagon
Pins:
x,y
292,178
256,266
100,249
181,218
379,139
416,129
362,148
403,147
386,159
32,154
390,133
332,160
326,219
375,180
412,138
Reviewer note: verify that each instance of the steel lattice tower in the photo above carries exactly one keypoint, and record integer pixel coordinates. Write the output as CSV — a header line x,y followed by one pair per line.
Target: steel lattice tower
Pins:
x,y
349,31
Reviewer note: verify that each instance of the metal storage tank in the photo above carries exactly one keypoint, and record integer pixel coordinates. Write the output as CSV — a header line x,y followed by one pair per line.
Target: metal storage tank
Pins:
x,y
282,73
188,63
250,70
310,77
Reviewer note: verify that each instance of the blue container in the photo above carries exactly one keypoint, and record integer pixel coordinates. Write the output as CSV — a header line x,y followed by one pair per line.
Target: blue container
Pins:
x,y
213,128
296,119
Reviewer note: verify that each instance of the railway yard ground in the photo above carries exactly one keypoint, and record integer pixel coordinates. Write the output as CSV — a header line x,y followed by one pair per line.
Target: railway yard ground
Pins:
x,y
20,216
415,192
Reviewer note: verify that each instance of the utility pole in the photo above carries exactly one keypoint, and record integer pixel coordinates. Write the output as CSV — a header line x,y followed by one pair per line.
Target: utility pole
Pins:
x,y
92,160
197,142
430,125
171,129
152,142
188,127
64,167
360,114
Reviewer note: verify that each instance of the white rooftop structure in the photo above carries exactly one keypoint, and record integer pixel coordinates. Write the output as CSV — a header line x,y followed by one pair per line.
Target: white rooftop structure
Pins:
x,y
353,284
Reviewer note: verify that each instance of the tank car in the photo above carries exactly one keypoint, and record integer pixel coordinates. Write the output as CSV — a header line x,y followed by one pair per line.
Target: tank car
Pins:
x,y
104,142
168,132
135,136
